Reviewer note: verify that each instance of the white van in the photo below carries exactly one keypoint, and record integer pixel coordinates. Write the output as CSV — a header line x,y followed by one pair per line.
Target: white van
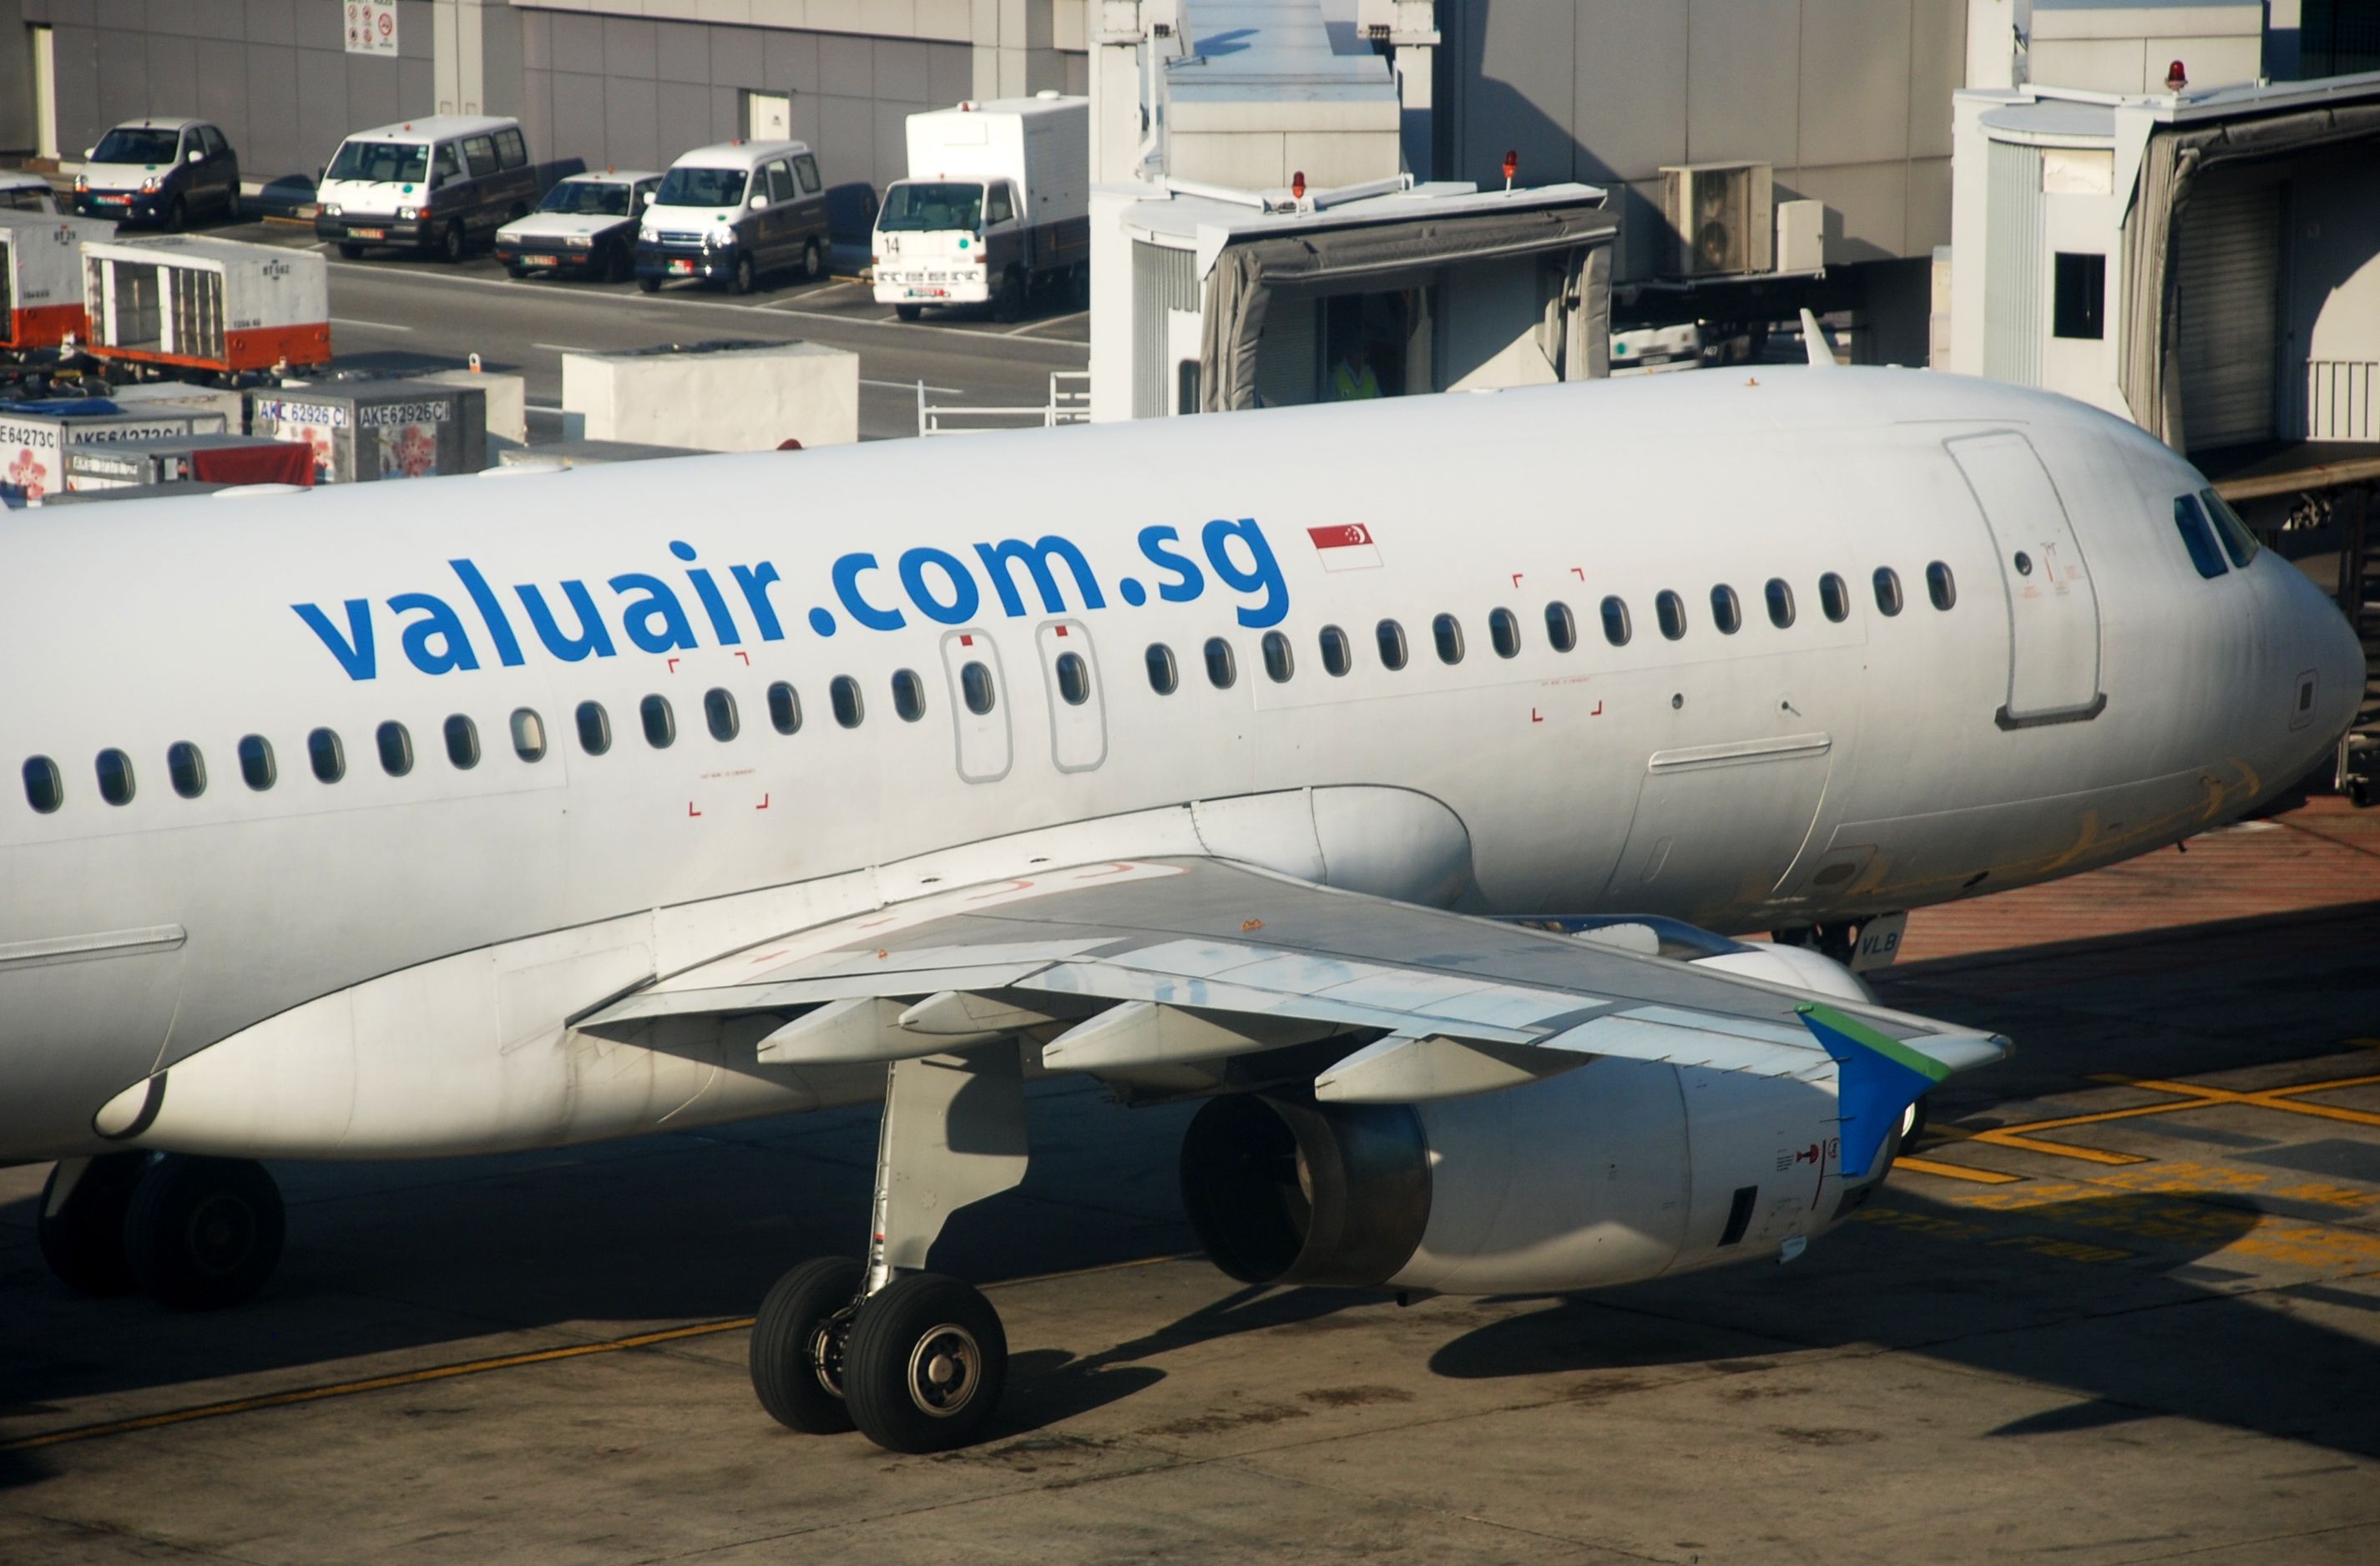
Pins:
x,y
732,213
436,184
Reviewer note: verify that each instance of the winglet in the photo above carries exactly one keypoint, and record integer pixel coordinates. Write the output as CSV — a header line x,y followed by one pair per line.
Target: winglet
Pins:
x,y
1877,1078
1815,342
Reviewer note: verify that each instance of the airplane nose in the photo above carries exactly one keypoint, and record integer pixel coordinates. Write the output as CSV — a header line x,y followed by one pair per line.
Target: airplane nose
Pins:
x,y
2335,652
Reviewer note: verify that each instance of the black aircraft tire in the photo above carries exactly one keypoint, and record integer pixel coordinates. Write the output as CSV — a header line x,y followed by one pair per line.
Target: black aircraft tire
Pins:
x,y
83,1241
203,1233
925,1365
791,1367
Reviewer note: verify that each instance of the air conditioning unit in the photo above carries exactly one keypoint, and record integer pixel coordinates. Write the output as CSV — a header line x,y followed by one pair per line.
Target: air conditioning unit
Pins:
x,y
1720,218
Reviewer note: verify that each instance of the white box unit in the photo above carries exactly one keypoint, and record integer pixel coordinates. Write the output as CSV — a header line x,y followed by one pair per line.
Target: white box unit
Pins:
x,y
1800,235
203,304
1721,217
41,278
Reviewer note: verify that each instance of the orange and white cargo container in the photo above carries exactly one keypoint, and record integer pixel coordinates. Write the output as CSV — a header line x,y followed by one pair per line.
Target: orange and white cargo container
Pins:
x,y
41,278
182,302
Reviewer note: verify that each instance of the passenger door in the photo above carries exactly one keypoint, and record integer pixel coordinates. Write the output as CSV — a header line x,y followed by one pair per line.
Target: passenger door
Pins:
x,y
518,178
2052,607
778,242
483,207
978,705
1070,673
812,222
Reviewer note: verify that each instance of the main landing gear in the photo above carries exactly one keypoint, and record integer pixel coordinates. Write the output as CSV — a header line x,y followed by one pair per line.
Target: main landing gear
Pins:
x,y
915,1361
194,1234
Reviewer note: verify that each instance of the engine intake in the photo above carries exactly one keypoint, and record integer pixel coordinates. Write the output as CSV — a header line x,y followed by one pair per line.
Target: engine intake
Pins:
x,y
1284,1191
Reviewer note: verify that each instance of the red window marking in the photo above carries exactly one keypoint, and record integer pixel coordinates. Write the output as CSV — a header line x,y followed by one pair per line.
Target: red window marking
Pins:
x,y
690,809
1579,573
763,804
1061,630
1534,718
768,956
673,665
1516,579
1598,710
966,640
746,656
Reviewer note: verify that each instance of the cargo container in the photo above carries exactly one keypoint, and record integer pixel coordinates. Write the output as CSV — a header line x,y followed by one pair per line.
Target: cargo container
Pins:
x,y
34,437
361,431
183,459
41,278
210,304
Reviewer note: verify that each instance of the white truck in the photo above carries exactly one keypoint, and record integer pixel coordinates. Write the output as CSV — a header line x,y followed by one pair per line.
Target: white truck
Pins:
x,y
997,206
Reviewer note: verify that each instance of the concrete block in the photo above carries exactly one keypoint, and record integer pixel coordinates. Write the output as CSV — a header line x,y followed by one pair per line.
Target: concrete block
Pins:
x,y
737,399
507,403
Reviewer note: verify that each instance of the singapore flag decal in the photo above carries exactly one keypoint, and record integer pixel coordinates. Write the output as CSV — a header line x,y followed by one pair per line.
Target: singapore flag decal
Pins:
x,y
1347,548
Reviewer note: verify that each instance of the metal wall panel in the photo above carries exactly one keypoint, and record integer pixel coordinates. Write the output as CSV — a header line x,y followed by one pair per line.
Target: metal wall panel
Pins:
x,y
2226,269
2013,264
1162,279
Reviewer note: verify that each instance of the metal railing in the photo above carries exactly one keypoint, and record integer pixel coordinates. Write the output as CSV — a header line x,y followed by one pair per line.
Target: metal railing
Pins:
x,y
1070,403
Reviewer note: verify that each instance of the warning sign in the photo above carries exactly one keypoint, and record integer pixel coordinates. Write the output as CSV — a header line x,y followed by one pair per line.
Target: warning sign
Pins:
x,y
371,26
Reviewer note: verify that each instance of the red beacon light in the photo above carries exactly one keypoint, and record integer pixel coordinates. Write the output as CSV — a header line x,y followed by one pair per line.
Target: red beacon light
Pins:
x,y
1511,168
1297,185
2176,78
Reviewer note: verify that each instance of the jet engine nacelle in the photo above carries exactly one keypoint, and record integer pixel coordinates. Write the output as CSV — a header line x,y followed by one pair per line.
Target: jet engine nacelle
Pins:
x,y
1613,1172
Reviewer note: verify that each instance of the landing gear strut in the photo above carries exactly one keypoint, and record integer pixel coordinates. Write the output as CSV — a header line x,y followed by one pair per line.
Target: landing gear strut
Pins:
x,y
194,1234
915,1360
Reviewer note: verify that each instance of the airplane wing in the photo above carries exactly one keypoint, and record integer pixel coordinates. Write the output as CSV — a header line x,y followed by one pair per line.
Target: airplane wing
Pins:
x,y
1138,969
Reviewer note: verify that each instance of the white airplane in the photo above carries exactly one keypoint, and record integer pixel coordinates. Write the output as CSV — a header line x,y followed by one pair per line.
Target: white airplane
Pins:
x,y
1361,770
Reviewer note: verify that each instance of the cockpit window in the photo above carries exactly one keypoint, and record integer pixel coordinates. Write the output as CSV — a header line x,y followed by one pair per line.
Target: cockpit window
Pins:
x,y
2237,541
2197,537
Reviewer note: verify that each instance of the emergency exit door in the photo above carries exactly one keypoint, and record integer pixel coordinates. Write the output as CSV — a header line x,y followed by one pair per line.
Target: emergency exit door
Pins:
x,y
2053,610
978,705
1070,675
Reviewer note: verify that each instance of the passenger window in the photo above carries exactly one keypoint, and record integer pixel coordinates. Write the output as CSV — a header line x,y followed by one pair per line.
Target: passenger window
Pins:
x,y
1277,662
1222,669
448,166
1939,587
1888,590
1670,610
1073,678
529,734
511,149
1504,633
719,714
1393,644
843,694
1615,622
661,723
462,742
479,152
996,205
1780,602
256,768
326,755
975,688
1834,598
784,708
781,181
1447,632
185,769
1561,627
2238,542
1163,678
395,749
910,692
1727,610
1338,654
115,777
594,728
46,790
806,166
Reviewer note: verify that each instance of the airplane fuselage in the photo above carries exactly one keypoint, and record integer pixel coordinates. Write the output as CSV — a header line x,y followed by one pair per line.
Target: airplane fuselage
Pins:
x,y
1005,652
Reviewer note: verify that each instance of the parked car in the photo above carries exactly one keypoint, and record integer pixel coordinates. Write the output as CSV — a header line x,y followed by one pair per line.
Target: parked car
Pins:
x,y
584,227
162,171
733,213
437,183
21,192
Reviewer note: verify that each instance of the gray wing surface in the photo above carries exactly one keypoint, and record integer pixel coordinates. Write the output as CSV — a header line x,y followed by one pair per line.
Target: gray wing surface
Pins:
x,y
1142,964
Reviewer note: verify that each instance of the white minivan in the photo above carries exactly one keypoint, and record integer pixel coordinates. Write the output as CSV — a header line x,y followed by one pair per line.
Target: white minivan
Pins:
x,y
437,183
732,213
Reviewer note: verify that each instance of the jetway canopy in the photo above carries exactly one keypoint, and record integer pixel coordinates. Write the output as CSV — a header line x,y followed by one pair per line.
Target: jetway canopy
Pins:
x,y
2175,157
1384,252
